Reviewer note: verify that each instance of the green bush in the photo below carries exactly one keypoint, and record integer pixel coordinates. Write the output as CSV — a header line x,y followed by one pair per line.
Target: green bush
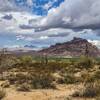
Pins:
x,y
26,60
42,81
86,62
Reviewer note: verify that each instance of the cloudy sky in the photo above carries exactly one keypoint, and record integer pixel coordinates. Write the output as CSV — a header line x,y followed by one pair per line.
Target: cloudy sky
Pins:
x,y
41,23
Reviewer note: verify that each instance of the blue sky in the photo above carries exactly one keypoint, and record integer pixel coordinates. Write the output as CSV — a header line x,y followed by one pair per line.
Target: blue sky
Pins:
x,y
37,5
41,23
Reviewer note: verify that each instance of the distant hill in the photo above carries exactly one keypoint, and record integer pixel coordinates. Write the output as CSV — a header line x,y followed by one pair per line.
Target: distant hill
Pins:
x,y
74,48
18,51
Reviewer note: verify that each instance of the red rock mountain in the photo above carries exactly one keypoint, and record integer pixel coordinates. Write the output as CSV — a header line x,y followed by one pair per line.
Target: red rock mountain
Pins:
x,y
74,48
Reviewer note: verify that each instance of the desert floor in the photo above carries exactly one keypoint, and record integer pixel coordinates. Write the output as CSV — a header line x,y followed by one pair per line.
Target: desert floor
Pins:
x,y
63,92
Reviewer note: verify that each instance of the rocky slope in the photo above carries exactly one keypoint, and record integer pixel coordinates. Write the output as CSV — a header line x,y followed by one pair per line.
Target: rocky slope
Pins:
x,y
73,48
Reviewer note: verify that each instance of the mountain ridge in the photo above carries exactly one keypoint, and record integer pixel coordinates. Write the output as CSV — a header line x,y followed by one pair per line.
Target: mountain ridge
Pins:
x,y
74,48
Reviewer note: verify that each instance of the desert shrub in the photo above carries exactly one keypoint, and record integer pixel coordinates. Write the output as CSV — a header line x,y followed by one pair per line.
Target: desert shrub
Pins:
x,y
2,93
90,90
5,84
54,66
97,75
12,79
7,63
21,76
26,60
69,79
88,78
24,87
41,81
71,69
18,78
92,77
35,79
98,61
86,62
50,66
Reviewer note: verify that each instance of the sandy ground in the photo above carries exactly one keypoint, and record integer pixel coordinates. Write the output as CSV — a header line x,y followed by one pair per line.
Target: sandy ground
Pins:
x,y
39,94
62,92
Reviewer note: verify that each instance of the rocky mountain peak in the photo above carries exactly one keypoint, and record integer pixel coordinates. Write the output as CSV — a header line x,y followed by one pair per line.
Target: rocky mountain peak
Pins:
x,y
76,39
75,48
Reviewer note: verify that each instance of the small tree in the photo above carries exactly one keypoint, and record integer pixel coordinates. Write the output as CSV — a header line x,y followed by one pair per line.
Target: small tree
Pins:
x,y
25,60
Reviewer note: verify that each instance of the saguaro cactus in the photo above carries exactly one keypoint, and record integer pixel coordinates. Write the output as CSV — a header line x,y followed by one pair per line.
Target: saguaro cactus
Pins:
x,y
86,51
45,58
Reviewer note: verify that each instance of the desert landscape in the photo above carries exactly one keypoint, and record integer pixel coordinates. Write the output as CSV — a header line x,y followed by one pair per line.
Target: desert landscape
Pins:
x,y
52,77
49,49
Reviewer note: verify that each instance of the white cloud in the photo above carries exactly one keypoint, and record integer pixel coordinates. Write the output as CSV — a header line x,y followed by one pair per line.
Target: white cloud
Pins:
x,y
74,14
18,18
95,42
9,5
70,14
11,46
19,37
26,38
29,2
48,5
43,37
51,34
56,26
